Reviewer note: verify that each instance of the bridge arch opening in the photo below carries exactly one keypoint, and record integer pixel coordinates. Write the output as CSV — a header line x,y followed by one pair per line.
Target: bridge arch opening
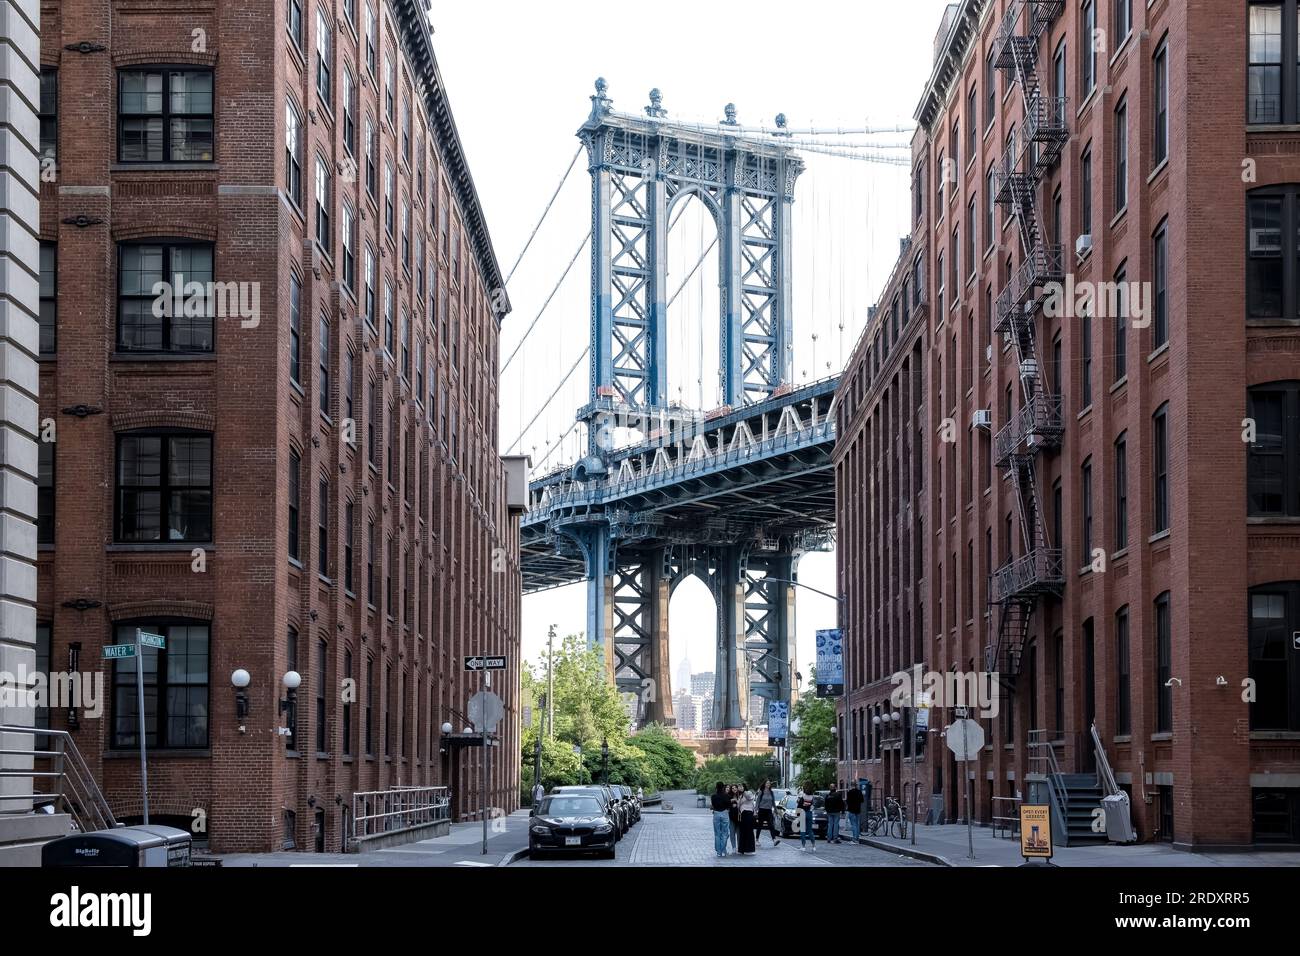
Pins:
x,y
694,299
693,639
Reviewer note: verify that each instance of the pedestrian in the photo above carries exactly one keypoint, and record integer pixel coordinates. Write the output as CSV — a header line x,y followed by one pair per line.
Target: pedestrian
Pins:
x,y
853,802
805,808
721,818
734,817
746,842
766,804
538,792
834,808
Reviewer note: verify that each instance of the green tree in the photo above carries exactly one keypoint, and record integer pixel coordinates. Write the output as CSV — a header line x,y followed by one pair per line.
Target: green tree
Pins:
x,y
747,770
814,749
670,765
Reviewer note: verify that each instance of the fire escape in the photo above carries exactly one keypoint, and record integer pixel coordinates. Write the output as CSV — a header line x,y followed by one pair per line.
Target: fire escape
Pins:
x,y
1022,582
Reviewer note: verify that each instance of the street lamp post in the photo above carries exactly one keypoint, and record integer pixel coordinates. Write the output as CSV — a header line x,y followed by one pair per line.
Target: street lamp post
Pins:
x,y
604,759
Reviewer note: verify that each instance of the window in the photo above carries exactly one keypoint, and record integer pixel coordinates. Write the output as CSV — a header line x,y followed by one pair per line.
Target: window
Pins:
x,y
1164,667
324,57
323,364
389,343
990,91
406,129
1121,154
1160,286
942,169
971,238
1086,494
349,389
370,712
49,116
1059,71
295,469
174,264
990,207
390,100
406,235
371,555
972,124
1121,492
165,116
349,511
371,171
1273,220
1270,89
45,492
939,276
1058,680
44,654
347,240
322,731
164,486
347,706
1123,698
1085,193
406,344
369,305
294,22
372,424
1160,100
1085,334
371,29
349,112
175,688
293,153
1160,465
1120,306
1274,664
1058,514
1123,20
389,216
323,235
1088,80
291,718
1273,460
390,702
1058,367
295,329
49,298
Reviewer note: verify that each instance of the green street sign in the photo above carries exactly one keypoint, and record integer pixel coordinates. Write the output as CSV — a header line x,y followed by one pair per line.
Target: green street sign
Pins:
x,y
153,640
118,651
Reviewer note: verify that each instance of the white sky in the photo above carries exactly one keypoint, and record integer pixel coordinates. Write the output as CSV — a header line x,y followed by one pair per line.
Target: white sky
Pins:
x,y
519,74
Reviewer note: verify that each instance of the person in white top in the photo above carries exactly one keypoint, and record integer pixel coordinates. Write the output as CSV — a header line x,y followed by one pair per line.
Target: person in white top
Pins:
x,y
745,842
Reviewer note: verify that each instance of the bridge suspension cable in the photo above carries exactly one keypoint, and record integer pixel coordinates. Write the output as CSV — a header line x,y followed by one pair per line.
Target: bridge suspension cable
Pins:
x,y
536,228
564,275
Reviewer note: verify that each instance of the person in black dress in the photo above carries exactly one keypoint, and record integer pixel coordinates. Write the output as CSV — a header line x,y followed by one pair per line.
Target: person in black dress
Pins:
x,y
746,835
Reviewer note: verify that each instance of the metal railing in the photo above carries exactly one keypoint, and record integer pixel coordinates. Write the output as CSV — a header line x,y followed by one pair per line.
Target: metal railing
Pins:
x,y
74,792
1105,776
1042,761
1039,571
1039,423
375,812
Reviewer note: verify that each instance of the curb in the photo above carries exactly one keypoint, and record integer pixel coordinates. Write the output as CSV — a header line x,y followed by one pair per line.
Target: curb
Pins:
x,y
921,855
514,856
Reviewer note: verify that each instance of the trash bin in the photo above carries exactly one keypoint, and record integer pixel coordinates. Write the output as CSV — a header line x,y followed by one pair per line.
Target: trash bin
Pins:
x,y
120,847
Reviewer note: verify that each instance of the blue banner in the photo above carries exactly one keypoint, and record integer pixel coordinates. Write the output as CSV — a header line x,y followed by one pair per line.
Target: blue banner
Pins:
x,y
830,663
778,722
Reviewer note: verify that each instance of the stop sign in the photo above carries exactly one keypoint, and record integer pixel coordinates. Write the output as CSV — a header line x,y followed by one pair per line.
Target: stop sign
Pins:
x,y
965,738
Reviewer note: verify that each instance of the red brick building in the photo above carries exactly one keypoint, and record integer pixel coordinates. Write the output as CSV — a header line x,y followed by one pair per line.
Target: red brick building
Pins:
x,y
1110,490
297,471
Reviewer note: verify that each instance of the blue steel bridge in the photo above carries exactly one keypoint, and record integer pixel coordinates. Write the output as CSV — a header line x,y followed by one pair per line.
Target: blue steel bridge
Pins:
x,y
733,495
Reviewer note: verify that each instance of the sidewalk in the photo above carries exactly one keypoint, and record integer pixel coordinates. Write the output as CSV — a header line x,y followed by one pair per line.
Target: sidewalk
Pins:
x,y
507,840
948,846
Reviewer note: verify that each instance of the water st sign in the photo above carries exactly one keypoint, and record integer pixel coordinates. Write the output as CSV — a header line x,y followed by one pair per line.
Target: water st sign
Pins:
x,y
117,652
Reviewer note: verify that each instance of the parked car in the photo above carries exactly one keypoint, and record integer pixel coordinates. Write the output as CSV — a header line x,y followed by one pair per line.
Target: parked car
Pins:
x,y
572,823
617,810
789,810
629,798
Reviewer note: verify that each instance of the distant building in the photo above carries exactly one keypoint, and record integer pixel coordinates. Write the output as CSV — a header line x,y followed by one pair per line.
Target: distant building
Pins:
x,y
701,684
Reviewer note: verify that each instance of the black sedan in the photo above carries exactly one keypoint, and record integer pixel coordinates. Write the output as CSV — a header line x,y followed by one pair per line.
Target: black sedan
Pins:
x,y
571,823
612,805
789,810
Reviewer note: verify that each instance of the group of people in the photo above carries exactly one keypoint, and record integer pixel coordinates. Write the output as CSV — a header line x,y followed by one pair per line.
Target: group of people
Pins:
x,y
740,816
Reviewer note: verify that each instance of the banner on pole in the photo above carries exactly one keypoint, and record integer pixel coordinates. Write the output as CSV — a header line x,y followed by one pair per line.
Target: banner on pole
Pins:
x,y
830,663
778,722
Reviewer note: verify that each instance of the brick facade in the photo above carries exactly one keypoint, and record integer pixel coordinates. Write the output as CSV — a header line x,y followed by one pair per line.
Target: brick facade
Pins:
x,y
446,549
1197,781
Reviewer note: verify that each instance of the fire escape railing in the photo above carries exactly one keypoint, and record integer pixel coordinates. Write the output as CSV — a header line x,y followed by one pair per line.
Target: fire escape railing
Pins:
x,y
1030,152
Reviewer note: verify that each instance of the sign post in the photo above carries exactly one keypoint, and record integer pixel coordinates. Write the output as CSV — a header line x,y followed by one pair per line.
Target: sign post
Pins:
x,y
485,711
120,652
965,738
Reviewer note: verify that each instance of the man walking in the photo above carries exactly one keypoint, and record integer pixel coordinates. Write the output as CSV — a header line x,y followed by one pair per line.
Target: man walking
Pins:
x,y
853,801
834,807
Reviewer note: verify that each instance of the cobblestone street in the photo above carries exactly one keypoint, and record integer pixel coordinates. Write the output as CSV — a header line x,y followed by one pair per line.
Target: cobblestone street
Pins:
x,y
684,837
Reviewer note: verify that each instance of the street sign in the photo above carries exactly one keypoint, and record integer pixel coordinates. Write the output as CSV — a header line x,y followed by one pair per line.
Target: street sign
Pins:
x,y
153,640
485,663
965,738
486,711
114,652
1035,831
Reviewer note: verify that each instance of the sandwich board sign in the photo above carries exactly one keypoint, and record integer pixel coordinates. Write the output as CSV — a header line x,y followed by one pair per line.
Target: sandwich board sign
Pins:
x,y
1035,831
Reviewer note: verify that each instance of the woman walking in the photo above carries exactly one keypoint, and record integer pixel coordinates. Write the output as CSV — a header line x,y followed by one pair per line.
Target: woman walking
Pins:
x,y
766,804
805,807
746,844
721,823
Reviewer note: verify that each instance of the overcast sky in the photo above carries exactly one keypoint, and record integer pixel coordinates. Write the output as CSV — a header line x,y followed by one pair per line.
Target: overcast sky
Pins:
x,y
519,75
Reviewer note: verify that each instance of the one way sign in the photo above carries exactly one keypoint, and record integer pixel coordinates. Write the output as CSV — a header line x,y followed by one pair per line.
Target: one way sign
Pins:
x,y
485,663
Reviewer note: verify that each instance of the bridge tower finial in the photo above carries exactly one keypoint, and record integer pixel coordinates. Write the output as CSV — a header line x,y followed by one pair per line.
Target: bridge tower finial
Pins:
x,y
730,111
601,104
656,107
